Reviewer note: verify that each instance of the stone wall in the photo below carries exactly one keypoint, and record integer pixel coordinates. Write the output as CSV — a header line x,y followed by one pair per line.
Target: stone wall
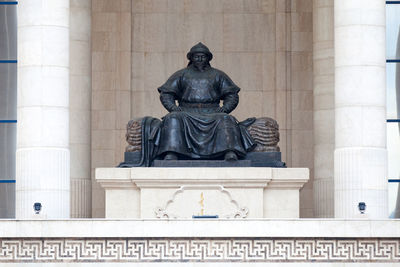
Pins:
x,y
300,98
111,89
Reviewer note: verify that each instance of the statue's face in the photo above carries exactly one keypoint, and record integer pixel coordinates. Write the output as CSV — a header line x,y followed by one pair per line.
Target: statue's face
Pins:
x,y
200,59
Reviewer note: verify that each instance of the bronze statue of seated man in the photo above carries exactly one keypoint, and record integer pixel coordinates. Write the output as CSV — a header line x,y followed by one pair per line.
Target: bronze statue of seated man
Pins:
x,y
198,127
199,99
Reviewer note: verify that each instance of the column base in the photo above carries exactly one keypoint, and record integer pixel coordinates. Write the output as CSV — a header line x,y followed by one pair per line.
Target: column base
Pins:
x,y
361,176
43,176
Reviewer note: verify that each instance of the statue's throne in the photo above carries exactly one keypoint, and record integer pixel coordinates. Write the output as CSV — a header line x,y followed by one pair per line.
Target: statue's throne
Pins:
x,y
264,131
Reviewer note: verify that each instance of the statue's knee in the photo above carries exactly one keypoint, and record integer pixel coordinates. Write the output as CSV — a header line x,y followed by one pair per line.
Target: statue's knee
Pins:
x,y
172,120
170,116
227,118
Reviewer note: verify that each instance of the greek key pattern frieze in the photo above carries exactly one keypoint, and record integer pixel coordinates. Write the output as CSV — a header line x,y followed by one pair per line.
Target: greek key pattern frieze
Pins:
x,y
199,250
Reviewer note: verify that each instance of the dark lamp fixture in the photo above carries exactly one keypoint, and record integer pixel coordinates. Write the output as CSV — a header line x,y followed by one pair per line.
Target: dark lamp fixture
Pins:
x,y
362,207
37,207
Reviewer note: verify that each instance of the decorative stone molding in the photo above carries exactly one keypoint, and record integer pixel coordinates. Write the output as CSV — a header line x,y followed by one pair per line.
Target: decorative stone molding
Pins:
x,y
240,212
384,250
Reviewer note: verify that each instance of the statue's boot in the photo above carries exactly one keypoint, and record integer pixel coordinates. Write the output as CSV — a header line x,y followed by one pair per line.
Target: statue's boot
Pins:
x,y
231,156
171,156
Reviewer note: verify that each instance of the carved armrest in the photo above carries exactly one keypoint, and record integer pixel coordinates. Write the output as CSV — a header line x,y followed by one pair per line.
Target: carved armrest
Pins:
x,y
134,135
265,132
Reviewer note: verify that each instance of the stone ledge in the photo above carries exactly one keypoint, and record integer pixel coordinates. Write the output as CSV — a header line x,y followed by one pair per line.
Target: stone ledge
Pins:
x,y
235,228
173,177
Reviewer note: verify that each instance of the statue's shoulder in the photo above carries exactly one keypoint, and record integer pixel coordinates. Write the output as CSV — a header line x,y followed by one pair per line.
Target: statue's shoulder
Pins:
x,y
178,73
219,73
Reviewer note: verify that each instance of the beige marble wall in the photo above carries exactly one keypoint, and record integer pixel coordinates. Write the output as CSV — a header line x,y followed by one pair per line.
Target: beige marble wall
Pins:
x,y
241,35
111,78
300,107
265,46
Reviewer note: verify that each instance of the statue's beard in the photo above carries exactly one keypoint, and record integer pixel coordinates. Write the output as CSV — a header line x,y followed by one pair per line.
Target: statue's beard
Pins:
x,y
200,66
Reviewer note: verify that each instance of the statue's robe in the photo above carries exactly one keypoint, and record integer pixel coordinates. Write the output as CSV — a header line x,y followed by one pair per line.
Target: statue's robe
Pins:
x,y
199,127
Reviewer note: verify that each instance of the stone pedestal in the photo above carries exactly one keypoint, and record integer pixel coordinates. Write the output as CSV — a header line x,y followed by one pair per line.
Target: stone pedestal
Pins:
x,y
184,192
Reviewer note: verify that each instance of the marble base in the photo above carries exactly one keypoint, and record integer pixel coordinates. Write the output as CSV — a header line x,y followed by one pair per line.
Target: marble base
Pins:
x,y
184,192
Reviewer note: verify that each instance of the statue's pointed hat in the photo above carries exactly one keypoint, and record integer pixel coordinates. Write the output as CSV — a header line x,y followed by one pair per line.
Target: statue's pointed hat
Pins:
x,y
199,48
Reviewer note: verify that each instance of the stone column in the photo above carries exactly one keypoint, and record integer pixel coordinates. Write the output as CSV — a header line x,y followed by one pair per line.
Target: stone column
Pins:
x,y
43,160
360,108
324,107
80,108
